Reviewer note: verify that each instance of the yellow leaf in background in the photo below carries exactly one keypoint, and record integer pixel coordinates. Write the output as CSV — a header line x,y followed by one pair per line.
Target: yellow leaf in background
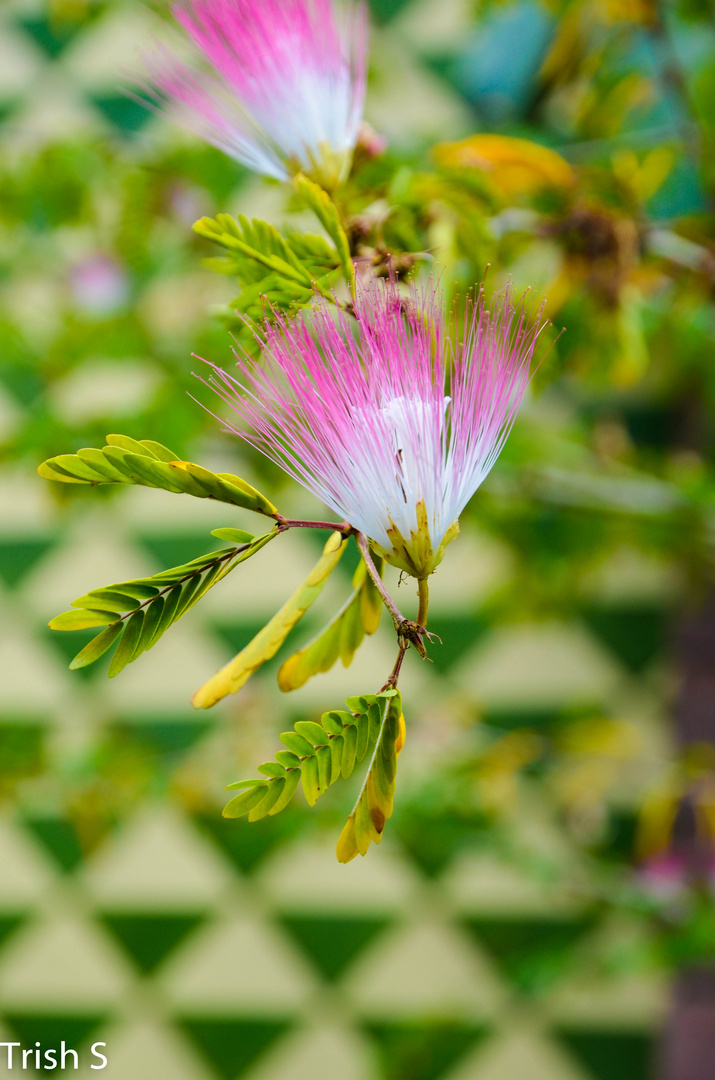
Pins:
x,y
268,641
633,11
516,166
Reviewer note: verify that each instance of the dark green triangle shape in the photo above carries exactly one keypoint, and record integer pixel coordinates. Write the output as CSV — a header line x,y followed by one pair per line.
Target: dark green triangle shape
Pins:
x,y
18,557
60,838
150,938
8,925
383,11
238,634
163,736
22,748
175,550
433,835
69,642
124,113
459,634
612,1055
512,718
232,1045
50,1030
247,844
333,941
636,633
531,951
52,35
423,1050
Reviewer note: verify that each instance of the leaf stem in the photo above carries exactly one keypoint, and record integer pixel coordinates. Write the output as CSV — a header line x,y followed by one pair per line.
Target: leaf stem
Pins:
x,y
284,524
391,683
194,573
397,617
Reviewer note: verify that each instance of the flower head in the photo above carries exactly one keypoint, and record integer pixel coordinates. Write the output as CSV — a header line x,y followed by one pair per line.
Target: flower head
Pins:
x,y
286,86
395,421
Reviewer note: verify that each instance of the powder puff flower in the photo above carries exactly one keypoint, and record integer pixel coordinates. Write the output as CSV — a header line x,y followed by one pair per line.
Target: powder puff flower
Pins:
x,y
393,421
286,87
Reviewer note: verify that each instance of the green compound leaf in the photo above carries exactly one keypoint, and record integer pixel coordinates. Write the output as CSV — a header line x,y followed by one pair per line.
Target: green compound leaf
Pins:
x,y
341,638
144,609
374,806
268,641
277,271
148,464
317,753
327,214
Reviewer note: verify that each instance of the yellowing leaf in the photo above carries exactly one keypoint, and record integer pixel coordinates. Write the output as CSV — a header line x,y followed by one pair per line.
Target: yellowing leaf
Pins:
x,y
269,640
374,806
341,638
515,166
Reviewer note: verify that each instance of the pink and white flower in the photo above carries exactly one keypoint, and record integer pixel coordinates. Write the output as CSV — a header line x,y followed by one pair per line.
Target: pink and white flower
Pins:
x,y
286,87
393,420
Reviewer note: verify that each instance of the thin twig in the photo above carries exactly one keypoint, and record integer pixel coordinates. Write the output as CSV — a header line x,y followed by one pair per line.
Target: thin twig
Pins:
x,y
397,617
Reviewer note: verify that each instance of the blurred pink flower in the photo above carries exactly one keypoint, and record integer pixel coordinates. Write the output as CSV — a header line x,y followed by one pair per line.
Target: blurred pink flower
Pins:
x,y
287,84
394,423
99,286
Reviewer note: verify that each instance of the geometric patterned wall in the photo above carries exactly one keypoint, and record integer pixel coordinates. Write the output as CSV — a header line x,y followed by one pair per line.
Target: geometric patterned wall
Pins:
x,y
197,948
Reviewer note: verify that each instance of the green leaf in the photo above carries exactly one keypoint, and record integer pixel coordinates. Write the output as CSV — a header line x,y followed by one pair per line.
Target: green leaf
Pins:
x,y
292,780
374,805
235,536
97,647
82,620
271,769
311,780
245,784
126,461
244,802
350,751
271,797
171,602
341,638
268,641
297,744
277,271
319,753
152,618
327,214
325,767
314,733
363,736
101,599
127,645
288,759
335,721
163,605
